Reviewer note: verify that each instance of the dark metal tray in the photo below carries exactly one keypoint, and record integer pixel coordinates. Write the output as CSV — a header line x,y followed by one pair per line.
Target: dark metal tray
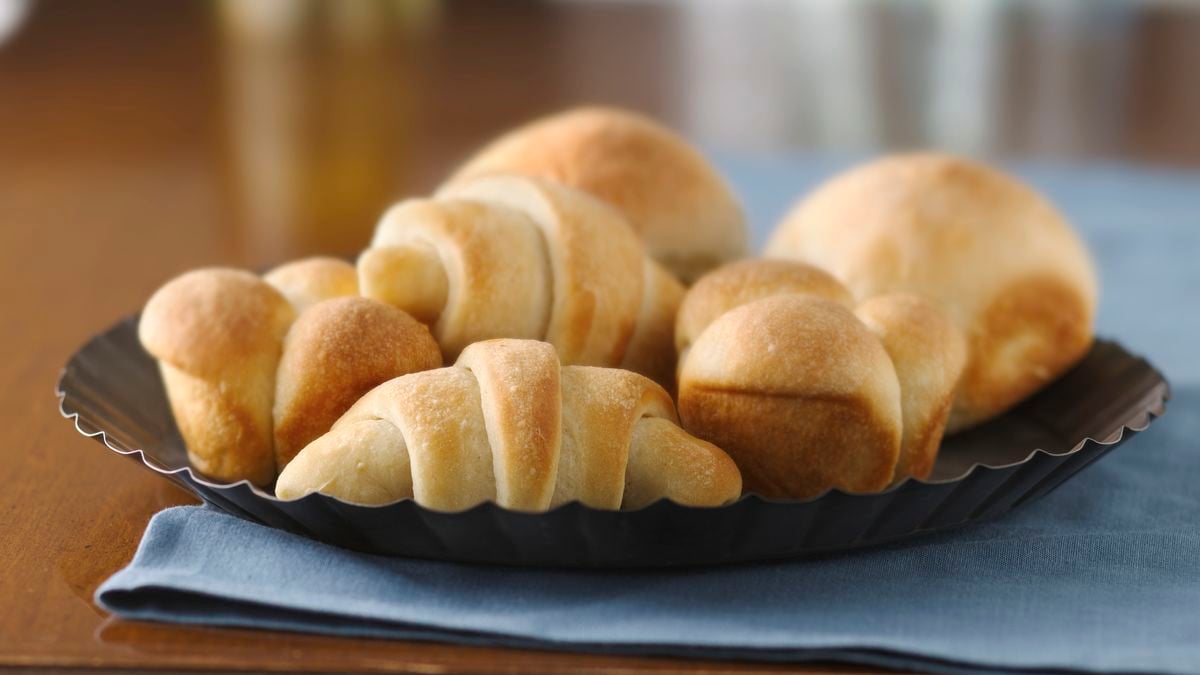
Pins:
x,y
112,390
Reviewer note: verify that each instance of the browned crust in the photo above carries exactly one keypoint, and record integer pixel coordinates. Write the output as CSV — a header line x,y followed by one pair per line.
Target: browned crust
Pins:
x,y
650,351
521,397
1027,336
226,428
338,350
790,344
975,241
683,210
799,392
600,407
522,257
448,421
928,353
923,440
311,280
790,446
745,281
211,320
495,278
667,462
217,334
596,264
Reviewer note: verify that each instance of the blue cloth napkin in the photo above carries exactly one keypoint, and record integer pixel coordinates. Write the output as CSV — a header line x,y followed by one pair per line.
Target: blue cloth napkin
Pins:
x,y
1101,575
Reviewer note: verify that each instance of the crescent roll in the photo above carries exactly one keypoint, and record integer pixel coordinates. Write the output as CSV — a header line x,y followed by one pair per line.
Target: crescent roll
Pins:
x,y
508,423
516,257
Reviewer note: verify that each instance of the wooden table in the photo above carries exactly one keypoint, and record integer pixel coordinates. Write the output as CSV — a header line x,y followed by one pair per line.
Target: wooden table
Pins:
x,y
141,139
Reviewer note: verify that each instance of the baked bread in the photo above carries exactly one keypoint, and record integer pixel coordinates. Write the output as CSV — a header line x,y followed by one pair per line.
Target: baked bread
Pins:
x,y
336,351
799,392
684,212
519,257
311,280
807,396
744,281
508,423
929,355
993,254
217,335
251,380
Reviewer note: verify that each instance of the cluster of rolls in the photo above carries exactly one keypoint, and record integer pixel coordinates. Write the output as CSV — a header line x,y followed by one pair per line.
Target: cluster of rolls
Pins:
x,y
517,336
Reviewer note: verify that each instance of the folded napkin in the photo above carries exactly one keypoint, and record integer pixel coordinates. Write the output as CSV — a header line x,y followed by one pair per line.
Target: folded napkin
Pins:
x,y
1101,575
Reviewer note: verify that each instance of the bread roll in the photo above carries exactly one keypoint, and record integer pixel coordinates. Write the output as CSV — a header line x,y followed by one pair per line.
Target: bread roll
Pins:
x,y
993,254
249,388
336,351
761,388
929,354
306,282
800,394
516,257
508,423
684,212
217,335
745,281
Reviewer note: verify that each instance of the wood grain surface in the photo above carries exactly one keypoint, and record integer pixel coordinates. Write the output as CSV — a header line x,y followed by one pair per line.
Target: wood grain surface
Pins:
x,y
140,139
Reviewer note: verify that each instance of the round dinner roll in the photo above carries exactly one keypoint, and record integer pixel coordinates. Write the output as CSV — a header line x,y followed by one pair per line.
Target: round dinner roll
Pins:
x,y
682,209
799,393
309,281
929,354
926,350
336,351
257,367
744,281
217,334
993,254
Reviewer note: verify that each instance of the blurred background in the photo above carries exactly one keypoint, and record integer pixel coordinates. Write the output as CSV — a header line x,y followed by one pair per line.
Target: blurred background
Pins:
x,y
284,127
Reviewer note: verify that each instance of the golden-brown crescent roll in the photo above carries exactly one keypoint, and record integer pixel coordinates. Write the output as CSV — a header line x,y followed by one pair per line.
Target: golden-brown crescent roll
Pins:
x,y
799,393
519,257
508,423
992,253
682,209
248,387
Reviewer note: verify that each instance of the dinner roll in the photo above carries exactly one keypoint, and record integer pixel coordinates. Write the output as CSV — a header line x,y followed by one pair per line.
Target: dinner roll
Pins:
x,y
929,354
799,392
744,281
256,368
684,212
997,257
217,335
309,281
